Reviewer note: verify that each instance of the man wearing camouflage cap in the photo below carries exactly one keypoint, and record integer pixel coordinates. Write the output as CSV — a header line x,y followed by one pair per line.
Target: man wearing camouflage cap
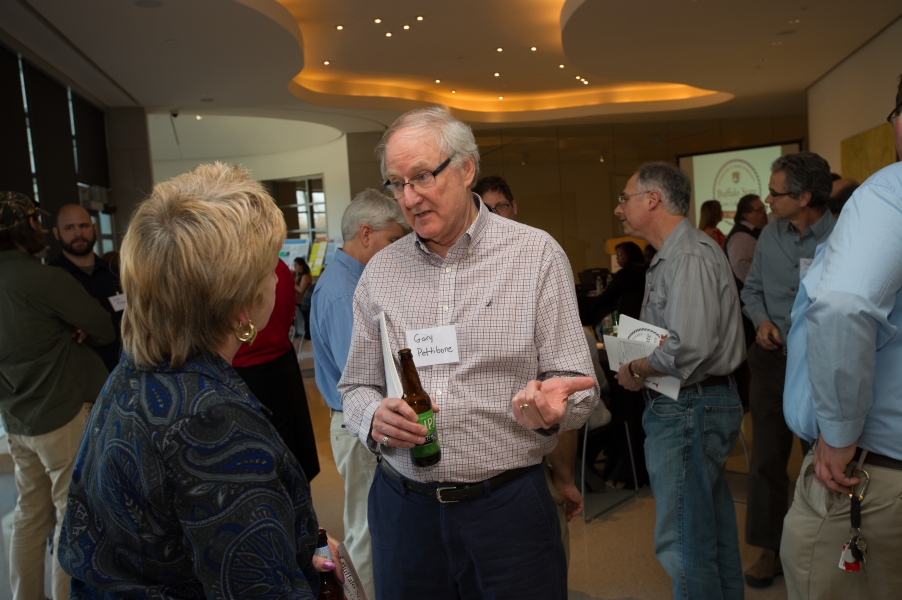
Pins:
x,y
49,379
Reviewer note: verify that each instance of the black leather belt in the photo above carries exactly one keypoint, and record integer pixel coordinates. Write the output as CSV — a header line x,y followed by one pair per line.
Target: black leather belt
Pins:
x,y
452,493
878,460
709,381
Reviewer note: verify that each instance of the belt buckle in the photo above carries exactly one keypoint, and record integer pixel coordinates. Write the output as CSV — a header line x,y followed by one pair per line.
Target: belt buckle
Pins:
x,y
438,495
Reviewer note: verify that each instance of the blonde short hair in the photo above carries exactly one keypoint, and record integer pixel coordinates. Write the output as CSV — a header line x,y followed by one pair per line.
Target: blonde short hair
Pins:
x,y
197,251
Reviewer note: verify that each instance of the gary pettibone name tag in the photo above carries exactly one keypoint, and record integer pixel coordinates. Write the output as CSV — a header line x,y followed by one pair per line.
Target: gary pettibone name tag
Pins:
x,y
433,346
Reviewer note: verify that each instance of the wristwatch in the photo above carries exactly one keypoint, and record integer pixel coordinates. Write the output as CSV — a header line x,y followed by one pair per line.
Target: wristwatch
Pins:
x,y
636,378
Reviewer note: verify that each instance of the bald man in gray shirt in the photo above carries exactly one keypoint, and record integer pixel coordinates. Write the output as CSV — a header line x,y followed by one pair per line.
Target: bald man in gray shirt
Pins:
x,y
690,291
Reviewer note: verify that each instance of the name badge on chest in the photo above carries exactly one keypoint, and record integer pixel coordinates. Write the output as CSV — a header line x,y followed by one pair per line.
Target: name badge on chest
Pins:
x,y
117,302
433,346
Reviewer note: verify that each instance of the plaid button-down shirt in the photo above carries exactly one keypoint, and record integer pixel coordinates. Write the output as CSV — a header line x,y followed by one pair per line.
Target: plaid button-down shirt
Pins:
x,y
509,291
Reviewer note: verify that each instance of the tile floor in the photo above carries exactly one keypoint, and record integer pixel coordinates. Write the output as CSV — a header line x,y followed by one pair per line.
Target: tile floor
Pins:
x,y
611,557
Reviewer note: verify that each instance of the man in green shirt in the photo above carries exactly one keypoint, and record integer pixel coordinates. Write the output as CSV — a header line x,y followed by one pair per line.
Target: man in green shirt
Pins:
x,y
48,380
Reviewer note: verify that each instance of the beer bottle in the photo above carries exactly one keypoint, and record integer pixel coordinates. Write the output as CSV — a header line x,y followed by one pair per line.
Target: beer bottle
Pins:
x,y
428,453
330,587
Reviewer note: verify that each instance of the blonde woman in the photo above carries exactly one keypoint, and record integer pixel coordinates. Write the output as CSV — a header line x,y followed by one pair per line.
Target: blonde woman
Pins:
x,y
183,487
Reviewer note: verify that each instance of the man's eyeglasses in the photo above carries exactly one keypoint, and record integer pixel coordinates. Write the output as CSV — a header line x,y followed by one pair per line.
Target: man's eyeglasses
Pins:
x,y
775,195
423,181
622,198
501,208
893,116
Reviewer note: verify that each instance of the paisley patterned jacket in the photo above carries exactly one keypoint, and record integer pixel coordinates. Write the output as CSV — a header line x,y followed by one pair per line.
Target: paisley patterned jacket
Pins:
x,y
183,489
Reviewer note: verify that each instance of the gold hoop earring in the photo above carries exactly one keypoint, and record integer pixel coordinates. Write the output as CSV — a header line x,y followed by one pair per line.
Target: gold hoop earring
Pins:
x,y
246,337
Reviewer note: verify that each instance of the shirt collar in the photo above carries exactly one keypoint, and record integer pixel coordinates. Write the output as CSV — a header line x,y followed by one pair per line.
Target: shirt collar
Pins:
x,y
671,240
819,228
748,224
471,236
348,262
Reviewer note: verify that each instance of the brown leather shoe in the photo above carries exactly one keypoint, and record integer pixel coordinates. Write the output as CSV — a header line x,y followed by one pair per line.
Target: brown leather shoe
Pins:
x,y
762,573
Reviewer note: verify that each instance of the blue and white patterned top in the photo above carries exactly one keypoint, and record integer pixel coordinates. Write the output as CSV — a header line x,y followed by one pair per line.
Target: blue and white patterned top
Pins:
x,y
183,489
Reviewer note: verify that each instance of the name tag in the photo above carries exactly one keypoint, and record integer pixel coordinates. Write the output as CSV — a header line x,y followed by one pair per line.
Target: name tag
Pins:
x,y
117,302
804,264
433,346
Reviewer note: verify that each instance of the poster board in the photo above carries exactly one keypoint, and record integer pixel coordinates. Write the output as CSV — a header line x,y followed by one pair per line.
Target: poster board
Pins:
x,y
292,248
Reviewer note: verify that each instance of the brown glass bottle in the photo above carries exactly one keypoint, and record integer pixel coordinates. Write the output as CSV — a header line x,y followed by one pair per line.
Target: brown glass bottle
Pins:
x,y
428,453
330,587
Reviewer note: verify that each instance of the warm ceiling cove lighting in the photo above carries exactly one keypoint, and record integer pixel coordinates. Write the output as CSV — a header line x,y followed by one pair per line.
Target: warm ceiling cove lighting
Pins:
x,y
419,18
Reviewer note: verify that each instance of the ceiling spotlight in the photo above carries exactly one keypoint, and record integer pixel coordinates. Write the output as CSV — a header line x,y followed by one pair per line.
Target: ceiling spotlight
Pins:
x,y
533,48
198,117
585,82
438,80
339,27
388,34
578,77
419,18
377,21
453,91
561,66
601,158
326,62
501,97
497,74
499,49
407,27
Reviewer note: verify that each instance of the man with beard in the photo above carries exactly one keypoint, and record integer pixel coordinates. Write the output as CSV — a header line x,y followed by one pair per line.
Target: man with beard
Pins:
x,y
77,234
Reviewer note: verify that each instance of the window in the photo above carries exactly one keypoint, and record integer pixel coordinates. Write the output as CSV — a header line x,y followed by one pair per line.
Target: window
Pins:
x,y
303,202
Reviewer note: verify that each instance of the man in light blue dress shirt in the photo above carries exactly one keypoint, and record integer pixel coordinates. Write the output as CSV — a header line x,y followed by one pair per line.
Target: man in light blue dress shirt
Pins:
x,y
844,390
370,223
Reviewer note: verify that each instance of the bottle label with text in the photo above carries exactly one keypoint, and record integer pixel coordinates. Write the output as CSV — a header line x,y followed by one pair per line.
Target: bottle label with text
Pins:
x,y
430,447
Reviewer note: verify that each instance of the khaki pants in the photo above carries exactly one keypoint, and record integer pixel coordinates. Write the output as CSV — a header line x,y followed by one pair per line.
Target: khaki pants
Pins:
x,y
356,465
43,469
817,525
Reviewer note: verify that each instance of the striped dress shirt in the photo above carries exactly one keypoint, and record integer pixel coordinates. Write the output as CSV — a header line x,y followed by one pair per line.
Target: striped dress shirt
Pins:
x,y
508,289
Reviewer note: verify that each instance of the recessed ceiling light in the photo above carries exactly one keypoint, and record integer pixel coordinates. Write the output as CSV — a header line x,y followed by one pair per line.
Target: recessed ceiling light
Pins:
x,y
561,66
407,27
388,34
533,48
497,74
578,77
339,27
453,91
198,117
501,97
585,82
438,80
419,18
377,21
325,62
499,49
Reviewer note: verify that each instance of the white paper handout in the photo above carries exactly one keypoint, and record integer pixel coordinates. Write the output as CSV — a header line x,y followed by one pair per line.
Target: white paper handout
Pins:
x,y
352,588
393,387
636,339
117,302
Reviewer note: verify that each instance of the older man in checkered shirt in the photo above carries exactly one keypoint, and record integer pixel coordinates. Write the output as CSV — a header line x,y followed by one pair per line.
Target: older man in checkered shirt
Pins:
x,y
481,522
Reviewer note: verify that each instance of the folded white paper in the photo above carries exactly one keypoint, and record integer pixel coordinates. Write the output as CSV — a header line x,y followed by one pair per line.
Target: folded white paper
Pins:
x,y
393,387
636,339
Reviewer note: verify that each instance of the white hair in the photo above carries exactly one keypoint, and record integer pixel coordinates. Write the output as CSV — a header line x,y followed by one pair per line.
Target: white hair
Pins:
x,y
372,208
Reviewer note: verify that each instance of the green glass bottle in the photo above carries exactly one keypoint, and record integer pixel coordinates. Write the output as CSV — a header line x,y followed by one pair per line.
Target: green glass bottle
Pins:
x,y
428,453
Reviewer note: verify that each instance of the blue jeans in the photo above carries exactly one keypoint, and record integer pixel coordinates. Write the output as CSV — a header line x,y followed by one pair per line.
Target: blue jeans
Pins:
x,y
503,545
687,444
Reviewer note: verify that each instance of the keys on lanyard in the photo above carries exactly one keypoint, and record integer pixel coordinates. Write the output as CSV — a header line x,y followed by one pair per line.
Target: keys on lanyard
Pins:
x,y
854,552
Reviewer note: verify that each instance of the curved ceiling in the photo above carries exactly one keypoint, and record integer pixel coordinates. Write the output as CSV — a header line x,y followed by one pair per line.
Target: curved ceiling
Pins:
x,y
415,54
214,136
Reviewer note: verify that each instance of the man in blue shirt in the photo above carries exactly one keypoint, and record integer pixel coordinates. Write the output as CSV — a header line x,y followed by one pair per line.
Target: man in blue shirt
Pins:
x,y
798,191
844,390
370,223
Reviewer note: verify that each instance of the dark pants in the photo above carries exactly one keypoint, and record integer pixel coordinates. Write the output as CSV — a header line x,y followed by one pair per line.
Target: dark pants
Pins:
x,y
771,447
278,386
506,544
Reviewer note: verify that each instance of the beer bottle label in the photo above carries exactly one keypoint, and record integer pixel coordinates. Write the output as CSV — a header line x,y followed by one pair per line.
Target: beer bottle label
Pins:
x,y
430,447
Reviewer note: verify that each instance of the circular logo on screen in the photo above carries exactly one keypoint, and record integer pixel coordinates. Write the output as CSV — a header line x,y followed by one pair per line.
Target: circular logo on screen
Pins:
x,y
735,179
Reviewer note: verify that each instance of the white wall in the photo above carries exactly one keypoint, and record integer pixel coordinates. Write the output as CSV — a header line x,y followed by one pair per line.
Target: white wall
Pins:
x,y
856,95
330,160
